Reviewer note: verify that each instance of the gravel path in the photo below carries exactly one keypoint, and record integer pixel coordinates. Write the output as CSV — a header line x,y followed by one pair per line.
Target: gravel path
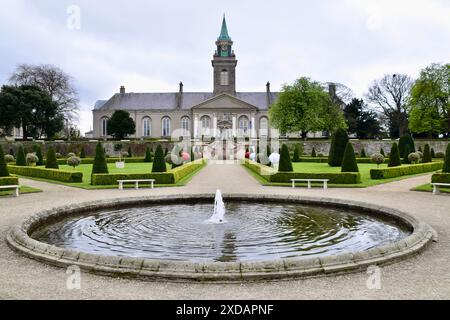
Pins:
x,y
426,276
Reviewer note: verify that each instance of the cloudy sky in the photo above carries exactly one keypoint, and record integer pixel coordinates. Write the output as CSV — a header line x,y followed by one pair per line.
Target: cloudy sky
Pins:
x,y
150,46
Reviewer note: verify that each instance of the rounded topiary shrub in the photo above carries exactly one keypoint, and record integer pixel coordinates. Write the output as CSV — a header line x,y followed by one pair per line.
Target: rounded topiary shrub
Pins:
x,y
51,161
285,160
414,157
159,163
338,145
349,163
73,161
71,154
377,158
446,168
394,157
38,152
32,159
21,161
100,166
9,158
3,166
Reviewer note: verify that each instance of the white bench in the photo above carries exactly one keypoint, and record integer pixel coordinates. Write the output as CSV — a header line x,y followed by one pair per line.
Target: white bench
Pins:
x,y
437,185
16,189
324,181
136,183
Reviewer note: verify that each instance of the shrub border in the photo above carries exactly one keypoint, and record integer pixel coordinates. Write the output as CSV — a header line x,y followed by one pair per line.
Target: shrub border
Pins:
x,y
440,178
50,174
9,181
405,170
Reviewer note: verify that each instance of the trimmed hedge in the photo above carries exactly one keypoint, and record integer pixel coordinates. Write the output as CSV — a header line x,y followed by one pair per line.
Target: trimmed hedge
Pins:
x,y
441,178
405,170
285,177
325,160
9,181
170,177
108,160
50,174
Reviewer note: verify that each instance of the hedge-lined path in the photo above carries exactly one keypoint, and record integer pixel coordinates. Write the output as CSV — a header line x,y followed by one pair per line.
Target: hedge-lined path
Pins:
x,y
423,276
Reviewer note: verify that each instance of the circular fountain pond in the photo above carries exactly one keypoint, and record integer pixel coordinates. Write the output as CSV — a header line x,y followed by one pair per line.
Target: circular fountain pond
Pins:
x,y
263,238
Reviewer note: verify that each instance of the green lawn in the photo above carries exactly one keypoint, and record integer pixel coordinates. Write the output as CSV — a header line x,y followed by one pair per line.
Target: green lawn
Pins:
x,y
86,169
23,190
429,188
364,169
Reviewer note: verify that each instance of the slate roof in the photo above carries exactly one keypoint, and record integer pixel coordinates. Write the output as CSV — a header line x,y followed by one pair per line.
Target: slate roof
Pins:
x,y
169,101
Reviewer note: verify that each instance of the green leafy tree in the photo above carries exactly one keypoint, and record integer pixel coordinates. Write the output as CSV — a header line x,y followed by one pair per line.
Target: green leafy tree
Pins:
x,y
430,101
427,154
361,121
406,141
305,107
51,162
337,149
3,166
121,125
446,168
159,164
394,158
100,165
21,161
349,163
38,151
285,160
148,156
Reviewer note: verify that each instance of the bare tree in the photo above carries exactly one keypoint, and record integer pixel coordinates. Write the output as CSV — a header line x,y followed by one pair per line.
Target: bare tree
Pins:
x,y
344,93
54,82
390,96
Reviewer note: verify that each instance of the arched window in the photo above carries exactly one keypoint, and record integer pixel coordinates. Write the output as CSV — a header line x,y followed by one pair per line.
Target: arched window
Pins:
x,y
244,125
146,127
224,78
263,126
206,125
185,126
166,127
104,126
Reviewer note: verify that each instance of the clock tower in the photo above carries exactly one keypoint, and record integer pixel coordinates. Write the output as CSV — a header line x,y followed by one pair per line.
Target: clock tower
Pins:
x,y
224,64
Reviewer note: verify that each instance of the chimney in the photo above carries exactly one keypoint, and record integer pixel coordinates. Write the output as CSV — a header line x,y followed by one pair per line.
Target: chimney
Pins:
x,y
122,90
268,87
268,95
180,96
332,89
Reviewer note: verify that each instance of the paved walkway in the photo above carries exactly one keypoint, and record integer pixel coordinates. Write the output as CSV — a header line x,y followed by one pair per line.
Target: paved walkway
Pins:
x,y
426,276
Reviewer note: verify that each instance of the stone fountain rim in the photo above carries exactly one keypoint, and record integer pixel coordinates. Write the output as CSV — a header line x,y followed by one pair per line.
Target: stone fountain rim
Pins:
x,y
149,269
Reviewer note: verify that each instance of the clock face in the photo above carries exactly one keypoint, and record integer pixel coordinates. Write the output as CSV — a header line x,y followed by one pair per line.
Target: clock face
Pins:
x,y
224,48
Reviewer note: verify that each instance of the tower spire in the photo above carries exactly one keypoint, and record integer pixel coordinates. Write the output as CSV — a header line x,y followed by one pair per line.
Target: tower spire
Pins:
x,y
224,31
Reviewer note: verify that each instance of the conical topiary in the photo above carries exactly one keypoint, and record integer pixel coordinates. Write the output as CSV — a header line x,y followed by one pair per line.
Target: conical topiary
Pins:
x,y
82,153
427,154
313,153
296,157
446,168
21,160
51,162
407,153
433,154
338,145
406,140
130,152
382,152
394,158
285,160
363,153
38,151
420,149
269,152
3,166
148,156
11,152
159,163
100,165
349,163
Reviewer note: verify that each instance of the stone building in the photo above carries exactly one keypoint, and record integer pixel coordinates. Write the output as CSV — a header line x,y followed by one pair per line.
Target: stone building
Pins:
x,y
223,113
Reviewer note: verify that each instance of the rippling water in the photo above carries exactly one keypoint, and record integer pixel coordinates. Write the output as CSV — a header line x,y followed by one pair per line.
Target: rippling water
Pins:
x,y
253,231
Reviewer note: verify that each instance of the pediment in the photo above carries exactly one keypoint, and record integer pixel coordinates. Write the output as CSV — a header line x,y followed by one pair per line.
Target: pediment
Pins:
x,y
224,101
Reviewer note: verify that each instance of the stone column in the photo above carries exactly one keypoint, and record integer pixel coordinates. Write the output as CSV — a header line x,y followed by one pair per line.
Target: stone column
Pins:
x,y
234,126
195,126
215,125
253,130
